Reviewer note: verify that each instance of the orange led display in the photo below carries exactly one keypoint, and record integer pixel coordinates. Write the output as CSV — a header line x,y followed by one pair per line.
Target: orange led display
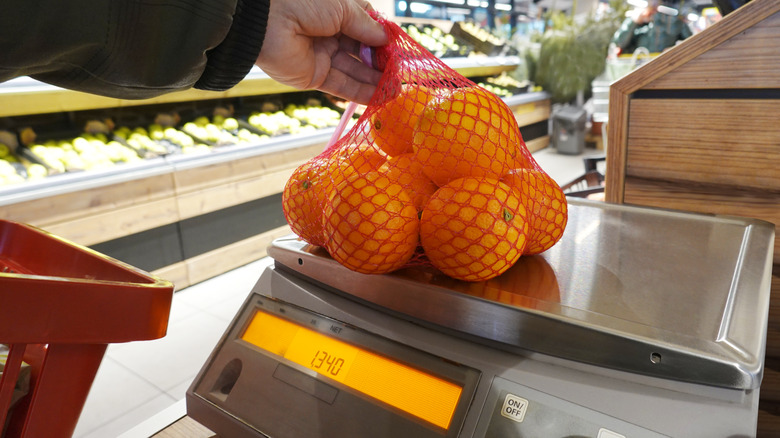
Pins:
x,y
408,389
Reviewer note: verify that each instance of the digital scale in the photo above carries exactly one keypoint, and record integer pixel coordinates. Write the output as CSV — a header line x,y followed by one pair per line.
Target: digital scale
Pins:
x,y
639,323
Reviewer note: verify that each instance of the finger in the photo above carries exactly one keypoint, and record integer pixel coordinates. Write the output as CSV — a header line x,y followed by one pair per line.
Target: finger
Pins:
x,y
360,26
340,84
368,7
359,51
355,68
365,5
324,50
349,45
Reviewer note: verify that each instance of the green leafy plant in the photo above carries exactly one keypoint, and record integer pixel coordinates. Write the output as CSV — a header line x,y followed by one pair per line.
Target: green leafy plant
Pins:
x,y
573,51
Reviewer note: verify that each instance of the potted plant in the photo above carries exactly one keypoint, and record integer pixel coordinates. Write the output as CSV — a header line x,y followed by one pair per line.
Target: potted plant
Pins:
x,y
573,50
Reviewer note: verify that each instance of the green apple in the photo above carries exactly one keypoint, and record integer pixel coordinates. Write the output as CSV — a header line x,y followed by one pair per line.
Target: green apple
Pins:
x,y
230,123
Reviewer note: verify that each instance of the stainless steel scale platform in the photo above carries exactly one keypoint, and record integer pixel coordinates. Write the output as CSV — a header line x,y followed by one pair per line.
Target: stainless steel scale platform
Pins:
x,y
639,323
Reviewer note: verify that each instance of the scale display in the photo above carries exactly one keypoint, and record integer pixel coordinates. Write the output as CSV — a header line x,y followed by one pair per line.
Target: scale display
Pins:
x,y
284,371
413,391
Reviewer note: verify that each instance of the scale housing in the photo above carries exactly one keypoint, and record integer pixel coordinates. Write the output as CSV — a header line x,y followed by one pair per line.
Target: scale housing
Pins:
x,y
640,322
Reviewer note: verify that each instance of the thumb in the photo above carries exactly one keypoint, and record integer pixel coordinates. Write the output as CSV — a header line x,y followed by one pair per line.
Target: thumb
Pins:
x,y
360,26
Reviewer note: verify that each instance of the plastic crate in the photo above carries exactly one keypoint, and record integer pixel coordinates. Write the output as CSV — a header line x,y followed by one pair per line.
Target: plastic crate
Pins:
x,y
61,304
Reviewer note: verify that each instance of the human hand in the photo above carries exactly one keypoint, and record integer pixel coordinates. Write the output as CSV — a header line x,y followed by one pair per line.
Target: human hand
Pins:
x,y
312,44
646,15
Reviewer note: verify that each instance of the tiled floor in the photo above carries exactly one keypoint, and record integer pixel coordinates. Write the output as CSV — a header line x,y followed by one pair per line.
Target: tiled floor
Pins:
x,y
139,379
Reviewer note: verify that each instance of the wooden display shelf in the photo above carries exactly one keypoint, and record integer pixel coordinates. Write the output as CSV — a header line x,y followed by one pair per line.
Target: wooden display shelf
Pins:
x,y
25,96
32,97
107,212
531,110
185,427
98,214
115,211
212,187
537,144
696,129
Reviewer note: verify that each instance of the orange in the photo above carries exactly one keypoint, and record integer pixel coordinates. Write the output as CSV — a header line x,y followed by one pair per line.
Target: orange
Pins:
x,y
310,184
467,132
371,224
524,159
474,229
352,158
546,205
302,200
408,172
392,125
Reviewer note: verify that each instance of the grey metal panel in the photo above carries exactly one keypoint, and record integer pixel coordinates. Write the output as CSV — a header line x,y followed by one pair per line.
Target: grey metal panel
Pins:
x,y
656,292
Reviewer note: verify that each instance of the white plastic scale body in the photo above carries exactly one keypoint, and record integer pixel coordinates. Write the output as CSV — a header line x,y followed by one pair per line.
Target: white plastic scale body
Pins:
x,y
638,323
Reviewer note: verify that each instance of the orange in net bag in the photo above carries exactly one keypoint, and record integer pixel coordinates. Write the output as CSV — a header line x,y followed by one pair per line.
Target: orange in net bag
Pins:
x,y
434,172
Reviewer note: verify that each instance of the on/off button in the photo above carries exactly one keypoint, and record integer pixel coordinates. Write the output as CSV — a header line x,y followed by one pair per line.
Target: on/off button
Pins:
x,y
514,408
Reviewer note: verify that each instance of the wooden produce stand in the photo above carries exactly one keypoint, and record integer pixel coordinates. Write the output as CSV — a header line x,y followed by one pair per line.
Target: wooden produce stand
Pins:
x,y
159,210
190,218
697,129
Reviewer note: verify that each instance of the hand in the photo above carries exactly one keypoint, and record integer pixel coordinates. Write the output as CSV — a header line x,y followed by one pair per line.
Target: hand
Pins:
x,y
646,15
312,44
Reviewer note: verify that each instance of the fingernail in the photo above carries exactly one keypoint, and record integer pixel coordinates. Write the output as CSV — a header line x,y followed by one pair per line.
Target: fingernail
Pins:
x,y
367,55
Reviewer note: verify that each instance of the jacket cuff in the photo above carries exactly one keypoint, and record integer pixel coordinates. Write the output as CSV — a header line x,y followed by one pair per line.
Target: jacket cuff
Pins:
x,y
231,60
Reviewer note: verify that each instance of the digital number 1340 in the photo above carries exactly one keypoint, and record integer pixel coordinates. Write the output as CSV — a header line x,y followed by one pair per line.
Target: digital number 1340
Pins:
x,y
322,360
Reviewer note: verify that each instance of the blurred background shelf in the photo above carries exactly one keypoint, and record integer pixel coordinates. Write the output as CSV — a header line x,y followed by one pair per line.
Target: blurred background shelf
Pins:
x,y
23,96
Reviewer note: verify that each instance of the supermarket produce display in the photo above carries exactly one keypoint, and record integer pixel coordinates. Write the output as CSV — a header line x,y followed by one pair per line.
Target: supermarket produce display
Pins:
x,y
15,169
157,140
482,39
504,85
182,181
435,40
166,135
447,40
480,33
85,152
295,119
40,153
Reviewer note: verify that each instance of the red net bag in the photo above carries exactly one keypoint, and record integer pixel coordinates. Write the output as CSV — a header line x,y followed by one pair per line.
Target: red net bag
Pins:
x,y
435,171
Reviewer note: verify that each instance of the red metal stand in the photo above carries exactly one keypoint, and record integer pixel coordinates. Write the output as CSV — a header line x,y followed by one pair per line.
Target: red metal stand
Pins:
x,y
61,304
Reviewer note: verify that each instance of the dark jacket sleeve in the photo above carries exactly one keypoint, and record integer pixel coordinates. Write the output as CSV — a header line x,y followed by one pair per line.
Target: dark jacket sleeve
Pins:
x,y
132,49
623,37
